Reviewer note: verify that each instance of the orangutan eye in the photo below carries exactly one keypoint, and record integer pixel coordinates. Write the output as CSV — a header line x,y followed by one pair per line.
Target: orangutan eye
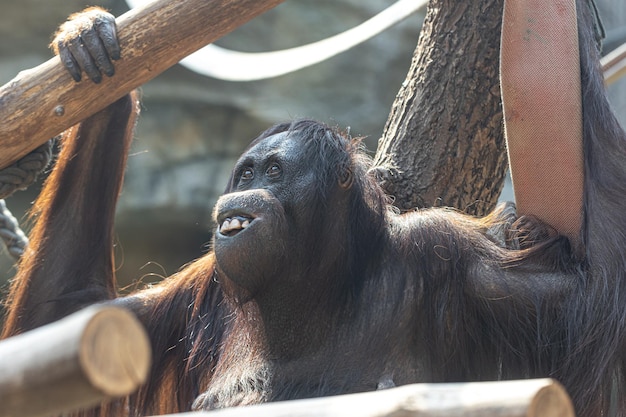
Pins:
x,y
274,171
247,174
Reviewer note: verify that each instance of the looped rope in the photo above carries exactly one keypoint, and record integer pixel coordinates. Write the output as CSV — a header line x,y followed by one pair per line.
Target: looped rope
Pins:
x,y
18,177
24,172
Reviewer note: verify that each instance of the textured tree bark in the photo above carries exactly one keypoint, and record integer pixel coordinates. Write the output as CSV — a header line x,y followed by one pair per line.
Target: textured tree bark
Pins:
x,y
443,143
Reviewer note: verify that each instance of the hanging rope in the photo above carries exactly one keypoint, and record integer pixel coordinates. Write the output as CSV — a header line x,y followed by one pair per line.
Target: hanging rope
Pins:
x,y
226,64
12,235
15,177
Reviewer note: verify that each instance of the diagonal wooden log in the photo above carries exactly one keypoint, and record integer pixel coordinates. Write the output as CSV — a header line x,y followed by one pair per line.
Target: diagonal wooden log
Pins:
x,y
44,101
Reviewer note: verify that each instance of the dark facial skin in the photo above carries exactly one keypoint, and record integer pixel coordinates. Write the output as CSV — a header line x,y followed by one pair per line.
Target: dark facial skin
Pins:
x,y
260,215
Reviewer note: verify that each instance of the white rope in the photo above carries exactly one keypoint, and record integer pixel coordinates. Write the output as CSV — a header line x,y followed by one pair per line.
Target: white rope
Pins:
x,y
12,236
225,64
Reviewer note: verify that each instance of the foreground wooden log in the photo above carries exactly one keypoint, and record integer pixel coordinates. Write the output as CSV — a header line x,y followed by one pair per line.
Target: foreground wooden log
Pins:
x,y
95,354
527,398
44,101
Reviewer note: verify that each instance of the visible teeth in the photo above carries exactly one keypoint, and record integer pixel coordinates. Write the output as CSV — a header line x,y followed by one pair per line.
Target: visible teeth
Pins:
x,y
230,225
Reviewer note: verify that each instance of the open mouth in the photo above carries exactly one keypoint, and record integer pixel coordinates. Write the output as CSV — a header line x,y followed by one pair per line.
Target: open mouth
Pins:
x,y
233,225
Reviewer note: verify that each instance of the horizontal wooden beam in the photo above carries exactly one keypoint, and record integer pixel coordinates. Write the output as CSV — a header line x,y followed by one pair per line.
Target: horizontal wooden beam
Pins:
x,y
44,101
526,398
93,355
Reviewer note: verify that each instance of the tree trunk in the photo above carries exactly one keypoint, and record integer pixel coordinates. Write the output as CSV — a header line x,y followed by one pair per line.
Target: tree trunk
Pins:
x,y
443,143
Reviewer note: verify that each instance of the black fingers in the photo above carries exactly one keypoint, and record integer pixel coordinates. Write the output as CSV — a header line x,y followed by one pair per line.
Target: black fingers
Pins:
x,y
68,61
88,42
107,31
98,52
81,55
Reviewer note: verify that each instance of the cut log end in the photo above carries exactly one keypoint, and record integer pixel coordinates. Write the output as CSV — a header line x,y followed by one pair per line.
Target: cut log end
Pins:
x,y
551,400
115,352
78,362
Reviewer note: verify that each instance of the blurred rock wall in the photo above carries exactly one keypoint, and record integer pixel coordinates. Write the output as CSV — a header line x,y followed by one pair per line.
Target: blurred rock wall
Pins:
x,y
192,128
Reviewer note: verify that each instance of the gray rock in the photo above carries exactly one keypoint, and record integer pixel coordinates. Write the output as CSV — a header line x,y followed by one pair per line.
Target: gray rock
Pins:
x,y
192,128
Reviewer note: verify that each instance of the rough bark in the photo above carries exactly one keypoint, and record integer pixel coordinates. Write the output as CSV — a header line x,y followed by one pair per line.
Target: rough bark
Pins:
x,y
443,143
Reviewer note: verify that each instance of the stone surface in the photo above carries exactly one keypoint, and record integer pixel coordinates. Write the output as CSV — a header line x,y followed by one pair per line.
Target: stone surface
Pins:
x,y
192,128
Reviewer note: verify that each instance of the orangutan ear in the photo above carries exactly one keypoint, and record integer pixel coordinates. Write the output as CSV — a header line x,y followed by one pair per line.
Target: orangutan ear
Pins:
x,y
346,178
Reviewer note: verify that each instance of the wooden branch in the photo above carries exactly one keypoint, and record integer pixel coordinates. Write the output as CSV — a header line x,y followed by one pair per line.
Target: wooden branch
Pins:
x,y
44,101
527,398
614,65
79,361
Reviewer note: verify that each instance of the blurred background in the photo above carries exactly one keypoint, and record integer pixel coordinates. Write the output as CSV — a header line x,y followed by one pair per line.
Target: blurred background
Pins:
x,y
192,128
